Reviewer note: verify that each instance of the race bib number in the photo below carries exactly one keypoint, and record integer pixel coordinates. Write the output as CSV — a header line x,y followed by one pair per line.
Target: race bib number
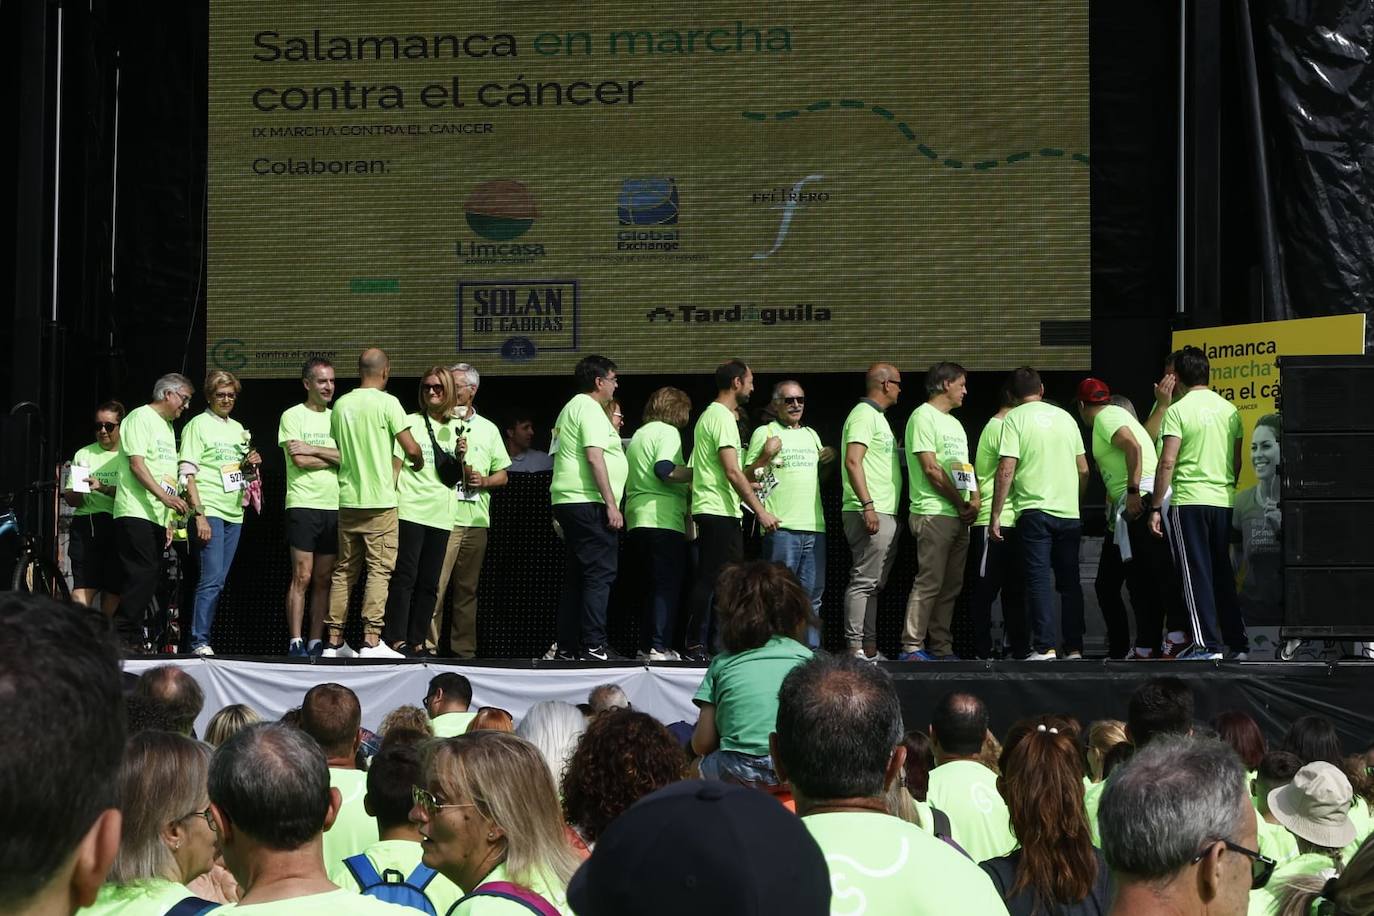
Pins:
x,y
231,475
169,486
466,495
965,481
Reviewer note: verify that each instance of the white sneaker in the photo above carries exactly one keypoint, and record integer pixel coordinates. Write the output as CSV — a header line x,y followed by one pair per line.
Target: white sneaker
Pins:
x,y
667,655
204,650
1073,656
381,650
552,653
342,650
1048,655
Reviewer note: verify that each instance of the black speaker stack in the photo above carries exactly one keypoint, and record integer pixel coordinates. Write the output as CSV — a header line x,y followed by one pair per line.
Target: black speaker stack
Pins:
x,y
1327,496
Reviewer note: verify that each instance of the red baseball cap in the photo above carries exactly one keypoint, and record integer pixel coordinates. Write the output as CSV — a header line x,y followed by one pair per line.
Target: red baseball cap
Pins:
x,y
1094,391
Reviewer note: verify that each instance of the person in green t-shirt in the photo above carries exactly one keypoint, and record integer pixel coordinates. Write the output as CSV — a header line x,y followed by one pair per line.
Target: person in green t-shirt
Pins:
x,y
789,461
961,785
838,743
944,501
763,617
1198,468
994,568
90,490
872,485
426,509
1126,460
719,485
146,497
312,505
485,468
1042,469
367,424
218,461
657,491
589,472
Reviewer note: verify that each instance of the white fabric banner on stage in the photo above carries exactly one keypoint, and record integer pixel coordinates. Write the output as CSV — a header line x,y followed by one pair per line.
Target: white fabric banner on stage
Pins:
x,y
272,688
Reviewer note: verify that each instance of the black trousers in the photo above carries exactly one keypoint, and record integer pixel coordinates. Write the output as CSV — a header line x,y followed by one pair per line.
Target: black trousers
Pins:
x,y
593,556
720,540
993,568
664,554
412,592
1150,580
140,543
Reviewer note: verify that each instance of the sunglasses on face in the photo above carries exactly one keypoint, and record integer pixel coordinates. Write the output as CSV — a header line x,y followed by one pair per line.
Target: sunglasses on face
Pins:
x,y
425,800
793,400
437,389
1261,866
107,427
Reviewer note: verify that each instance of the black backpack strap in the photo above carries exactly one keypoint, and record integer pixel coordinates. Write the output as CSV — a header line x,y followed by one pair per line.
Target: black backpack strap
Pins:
x,y
192,906
942,825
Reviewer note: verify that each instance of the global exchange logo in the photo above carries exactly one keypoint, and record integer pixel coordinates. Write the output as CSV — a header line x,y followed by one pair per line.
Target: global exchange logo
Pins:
x,y
647,202
500,210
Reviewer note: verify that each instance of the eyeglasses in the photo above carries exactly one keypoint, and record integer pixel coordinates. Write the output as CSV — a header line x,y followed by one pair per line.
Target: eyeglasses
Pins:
x,y
437,389
205,814
425,799
610,379
107,427
225,396
183,396
1261,866
888,381
790,400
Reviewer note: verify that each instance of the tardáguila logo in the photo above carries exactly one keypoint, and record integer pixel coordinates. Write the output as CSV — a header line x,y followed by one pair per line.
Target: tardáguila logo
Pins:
x,y
500,210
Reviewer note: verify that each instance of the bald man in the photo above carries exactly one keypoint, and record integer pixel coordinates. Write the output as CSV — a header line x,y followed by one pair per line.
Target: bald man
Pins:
x,y
872,485
366,424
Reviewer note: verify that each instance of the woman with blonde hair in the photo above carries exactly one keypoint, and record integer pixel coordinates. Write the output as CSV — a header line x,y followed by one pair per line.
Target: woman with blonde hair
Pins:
x,y
656,494
168,838
490,821
1103,735
426,507
218,461
228,722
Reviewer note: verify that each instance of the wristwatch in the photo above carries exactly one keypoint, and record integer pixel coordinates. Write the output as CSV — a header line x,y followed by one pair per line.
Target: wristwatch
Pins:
x,y
1156,508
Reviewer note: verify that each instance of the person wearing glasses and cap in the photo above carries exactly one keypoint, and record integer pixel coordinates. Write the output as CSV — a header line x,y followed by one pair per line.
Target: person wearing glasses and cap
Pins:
x,y
90,491
146,495
788,460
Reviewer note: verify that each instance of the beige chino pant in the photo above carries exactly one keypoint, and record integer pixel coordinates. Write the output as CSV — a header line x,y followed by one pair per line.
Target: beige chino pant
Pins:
x,y
941,547
467,547
366,537
873,555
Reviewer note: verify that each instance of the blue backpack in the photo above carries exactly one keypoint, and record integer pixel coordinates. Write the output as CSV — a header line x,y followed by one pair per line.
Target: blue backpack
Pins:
x,y
391,886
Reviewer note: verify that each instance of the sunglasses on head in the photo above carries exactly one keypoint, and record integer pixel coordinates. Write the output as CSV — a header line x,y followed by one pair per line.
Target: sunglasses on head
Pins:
x,y
107,427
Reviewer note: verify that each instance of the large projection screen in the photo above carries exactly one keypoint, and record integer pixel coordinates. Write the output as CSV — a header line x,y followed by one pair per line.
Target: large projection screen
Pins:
x,y
807,185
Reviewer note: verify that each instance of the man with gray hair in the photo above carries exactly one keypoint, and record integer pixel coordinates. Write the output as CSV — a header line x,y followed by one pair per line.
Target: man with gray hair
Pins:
x,y
839,745
271,803
1179,832
146,497
485,460
605,697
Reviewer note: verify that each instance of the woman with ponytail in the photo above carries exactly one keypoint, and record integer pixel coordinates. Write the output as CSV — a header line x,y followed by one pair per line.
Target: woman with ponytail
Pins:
x,y
1350,894
1055,870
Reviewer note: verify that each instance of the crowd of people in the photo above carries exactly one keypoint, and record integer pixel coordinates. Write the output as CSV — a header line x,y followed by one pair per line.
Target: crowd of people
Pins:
x,y
800,788
407,498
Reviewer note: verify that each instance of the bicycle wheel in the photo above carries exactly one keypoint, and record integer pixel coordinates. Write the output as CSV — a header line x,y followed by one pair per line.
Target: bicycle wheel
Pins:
x,y
38,576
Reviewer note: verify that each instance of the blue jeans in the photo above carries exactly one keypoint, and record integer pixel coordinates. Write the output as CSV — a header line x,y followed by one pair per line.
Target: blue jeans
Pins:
x,y
1051,543
215,559
803,552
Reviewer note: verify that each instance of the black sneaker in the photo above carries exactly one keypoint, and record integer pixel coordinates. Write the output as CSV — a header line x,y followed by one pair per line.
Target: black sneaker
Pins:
x,y
561,655
696,654
600,654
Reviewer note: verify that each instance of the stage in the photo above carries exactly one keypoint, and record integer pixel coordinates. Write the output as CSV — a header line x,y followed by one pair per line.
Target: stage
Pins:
x,y
1275,693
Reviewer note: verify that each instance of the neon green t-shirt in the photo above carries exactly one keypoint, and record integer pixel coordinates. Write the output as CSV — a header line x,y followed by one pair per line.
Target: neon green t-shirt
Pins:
x,y
334,903
486,455
104,466
354,830
712,493
364,424
401,856
1276,842
449,724
1111,461
583,424
796,500
1208,427
1092,800
1265,900
149,897
649,502
985,468
882,866
317,488
217,447
145,434
550,890
868,426
932,430
421,498
743,686
967,792
1046,443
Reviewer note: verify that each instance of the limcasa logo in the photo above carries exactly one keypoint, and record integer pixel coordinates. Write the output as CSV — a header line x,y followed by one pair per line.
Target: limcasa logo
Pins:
x,y
500,210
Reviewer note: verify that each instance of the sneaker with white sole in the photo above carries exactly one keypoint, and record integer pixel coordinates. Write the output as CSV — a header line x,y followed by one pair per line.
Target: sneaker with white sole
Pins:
x,y
1200,654
664,655
1048,655
204,650
551,654
1073,655
381,650
342,650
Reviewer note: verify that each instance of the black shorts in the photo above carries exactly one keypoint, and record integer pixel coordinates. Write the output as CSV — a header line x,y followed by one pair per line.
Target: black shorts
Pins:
x,y
95,559
313,530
